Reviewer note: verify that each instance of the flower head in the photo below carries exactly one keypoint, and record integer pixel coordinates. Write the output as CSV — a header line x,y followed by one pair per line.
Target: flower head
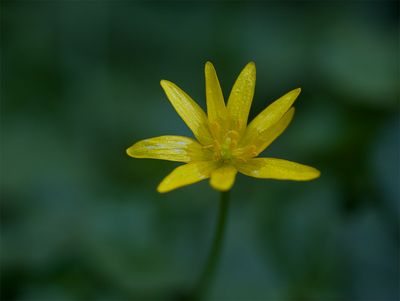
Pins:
x,y
225,143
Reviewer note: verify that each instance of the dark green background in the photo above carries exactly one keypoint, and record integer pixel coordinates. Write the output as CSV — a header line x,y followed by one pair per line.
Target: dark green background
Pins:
x,y
80,220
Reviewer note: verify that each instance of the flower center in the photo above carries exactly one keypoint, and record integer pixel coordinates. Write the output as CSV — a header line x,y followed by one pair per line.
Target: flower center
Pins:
x,y
223,149
226,147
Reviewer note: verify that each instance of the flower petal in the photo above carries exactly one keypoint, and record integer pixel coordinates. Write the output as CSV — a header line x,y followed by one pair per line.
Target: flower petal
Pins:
x,y
223,177
216,108
241,96
186,174
264,139
271,168
189,110
272,114
171,148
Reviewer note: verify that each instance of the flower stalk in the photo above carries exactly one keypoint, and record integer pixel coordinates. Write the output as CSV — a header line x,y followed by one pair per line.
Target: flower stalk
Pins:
x,y
211,265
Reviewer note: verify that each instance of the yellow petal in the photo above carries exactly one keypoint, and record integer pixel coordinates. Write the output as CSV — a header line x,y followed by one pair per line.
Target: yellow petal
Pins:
x,y
216,108
241,96
271,168
189,110
264,139
171,148
223,178
272,114
187,174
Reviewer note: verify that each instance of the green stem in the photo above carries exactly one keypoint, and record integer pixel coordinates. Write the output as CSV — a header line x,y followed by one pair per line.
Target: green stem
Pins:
x,y
215,252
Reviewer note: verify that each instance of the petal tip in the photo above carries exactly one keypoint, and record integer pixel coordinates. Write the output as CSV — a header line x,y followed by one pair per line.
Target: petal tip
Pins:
x,y
293,94
164,83
296,92
251,65
209,67
161,188
129,152
219,187
313,174
317,173
223,178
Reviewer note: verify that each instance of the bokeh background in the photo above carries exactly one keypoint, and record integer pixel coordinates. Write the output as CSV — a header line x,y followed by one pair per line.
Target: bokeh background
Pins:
x,y
80,220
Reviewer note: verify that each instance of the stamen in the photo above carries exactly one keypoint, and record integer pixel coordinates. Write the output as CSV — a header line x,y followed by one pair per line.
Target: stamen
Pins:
x,y
231,138
246,152
253,150
233,134
242,160
217,150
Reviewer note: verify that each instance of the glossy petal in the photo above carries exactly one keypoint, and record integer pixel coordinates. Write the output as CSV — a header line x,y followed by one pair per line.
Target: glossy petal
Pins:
x,y
171,148
223,178
264,139
216,108
272,114
241,96
271,168
186,174
189,110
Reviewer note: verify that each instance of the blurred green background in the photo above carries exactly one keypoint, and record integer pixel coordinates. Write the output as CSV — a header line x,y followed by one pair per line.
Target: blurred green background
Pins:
x,y
80,220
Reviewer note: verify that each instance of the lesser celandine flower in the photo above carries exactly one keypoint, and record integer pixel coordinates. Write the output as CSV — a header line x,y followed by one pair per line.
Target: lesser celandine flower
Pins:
x,y
225,145
225,142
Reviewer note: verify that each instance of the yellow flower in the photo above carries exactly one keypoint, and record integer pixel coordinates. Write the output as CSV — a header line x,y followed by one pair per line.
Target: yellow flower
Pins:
x,y
225,143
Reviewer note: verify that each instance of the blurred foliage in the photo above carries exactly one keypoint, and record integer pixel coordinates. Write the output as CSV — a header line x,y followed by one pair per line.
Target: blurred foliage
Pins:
x,y
80,220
